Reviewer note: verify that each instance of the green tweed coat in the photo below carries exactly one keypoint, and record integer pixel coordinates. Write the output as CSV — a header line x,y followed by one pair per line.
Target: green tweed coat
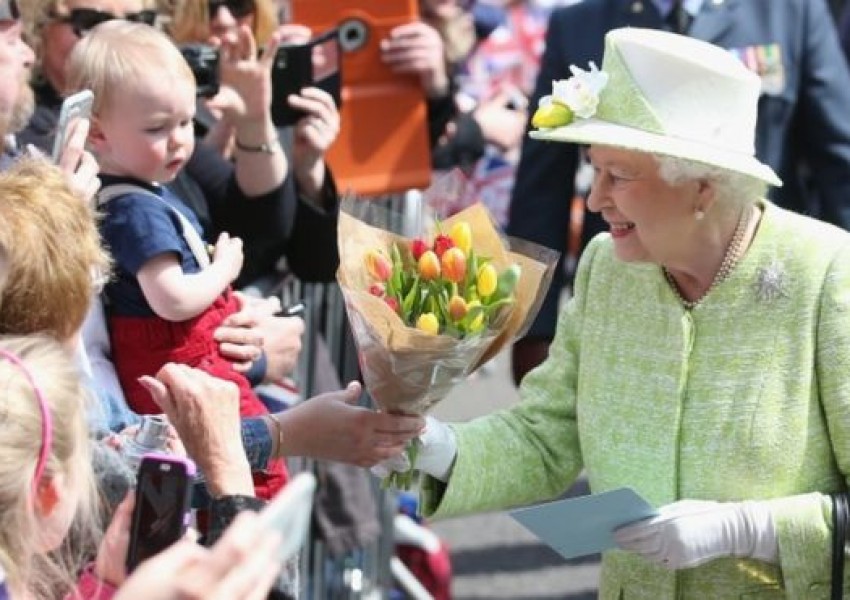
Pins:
x,y
736,399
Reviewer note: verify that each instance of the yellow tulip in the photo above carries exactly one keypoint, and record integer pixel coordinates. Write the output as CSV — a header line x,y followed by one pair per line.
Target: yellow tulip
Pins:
x,y
487,280
429,266
428,323
454,265
461,235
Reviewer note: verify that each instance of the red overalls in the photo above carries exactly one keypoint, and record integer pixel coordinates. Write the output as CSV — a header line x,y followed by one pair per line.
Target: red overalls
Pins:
x,y
142,345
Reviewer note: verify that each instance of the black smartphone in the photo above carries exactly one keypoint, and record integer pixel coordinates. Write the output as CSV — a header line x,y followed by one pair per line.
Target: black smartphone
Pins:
x,y
161,514
203,60
315,64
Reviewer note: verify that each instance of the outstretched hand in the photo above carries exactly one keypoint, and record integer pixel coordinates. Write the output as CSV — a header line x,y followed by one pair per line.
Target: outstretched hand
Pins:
x,y
332,427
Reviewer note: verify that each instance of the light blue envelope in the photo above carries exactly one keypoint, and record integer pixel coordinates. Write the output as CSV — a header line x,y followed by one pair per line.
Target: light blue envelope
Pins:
x,y
584,525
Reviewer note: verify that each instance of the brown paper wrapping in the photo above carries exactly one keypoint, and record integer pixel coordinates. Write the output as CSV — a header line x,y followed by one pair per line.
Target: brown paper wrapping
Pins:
x,y
407,370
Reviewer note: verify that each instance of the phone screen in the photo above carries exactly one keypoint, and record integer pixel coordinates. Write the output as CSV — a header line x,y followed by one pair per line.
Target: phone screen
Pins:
x,y
160,516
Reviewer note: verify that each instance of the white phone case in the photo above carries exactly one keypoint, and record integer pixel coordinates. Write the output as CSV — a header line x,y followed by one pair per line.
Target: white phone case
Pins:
x,y
77,105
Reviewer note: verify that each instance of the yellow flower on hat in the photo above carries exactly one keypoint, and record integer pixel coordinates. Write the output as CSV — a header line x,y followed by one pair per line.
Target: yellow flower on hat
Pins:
x,y
577,96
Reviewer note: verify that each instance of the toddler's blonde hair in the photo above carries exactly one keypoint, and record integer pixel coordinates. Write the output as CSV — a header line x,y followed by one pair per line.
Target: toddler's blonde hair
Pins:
x,y
117,55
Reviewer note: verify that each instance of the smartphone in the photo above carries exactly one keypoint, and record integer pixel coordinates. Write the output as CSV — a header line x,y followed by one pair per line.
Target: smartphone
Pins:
x,y
289,513
203,60
76,106
161,514
383,144
296,66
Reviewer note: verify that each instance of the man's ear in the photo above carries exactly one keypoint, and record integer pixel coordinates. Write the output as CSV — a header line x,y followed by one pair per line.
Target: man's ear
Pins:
x,y
46,496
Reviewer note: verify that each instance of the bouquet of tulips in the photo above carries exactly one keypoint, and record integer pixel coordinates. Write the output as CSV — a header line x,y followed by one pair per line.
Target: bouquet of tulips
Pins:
x,y
427,310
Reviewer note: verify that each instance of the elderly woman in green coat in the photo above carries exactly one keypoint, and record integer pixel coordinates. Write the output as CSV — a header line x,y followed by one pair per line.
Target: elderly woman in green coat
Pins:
x,y
704,358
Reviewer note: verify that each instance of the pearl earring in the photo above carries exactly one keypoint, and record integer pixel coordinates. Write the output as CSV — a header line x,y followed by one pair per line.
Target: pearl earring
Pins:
x,y
699,214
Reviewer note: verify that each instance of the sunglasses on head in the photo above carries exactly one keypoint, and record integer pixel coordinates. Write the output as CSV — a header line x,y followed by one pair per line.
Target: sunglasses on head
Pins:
x,y
9,10
83,20
237,8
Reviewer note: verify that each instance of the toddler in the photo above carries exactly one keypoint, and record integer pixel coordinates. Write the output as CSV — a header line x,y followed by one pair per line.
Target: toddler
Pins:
x,y
166,296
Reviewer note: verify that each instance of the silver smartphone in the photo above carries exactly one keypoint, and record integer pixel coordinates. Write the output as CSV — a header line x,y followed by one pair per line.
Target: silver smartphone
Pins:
x,y
76,106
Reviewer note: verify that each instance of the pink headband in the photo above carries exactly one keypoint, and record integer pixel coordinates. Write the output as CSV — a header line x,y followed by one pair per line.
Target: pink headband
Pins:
x,y
46,421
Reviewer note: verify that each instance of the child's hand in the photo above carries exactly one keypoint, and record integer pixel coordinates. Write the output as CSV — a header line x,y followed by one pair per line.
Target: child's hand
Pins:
x,y
228,254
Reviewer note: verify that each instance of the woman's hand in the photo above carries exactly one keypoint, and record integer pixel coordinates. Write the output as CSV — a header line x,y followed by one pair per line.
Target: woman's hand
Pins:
x,y
244,335
314,134
332,427
417,48
436,454
78,164
205,412
247,73
242,565
689,533
111,563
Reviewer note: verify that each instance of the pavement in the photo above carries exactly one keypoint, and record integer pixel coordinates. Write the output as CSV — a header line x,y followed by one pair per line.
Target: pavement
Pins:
x,y
493,556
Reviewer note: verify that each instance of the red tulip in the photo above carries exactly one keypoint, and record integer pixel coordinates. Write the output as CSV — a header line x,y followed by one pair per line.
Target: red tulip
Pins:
x,y
377,289
441,244
418,247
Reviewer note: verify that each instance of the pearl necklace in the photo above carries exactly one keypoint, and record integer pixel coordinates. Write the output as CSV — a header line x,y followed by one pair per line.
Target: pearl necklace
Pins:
x,y
734,252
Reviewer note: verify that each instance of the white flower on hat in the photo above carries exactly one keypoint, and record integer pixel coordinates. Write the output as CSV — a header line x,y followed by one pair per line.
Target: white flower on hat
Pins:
x,y
579,93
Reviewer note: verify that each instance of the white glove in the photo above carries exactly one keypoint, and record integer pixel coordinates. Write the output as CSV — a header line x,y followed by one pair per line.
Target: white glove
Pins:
x,y
689,533
437,450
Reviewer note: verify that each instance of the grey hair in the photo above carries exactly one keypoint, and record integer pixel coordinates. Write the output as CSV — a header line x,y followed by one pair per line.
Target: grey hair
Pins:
x,y
733,190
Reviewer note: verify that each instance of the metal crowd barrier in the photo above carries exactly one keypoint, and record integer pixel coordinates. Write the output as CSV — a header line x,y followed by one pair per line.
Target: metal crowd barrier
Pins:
x,y
366,573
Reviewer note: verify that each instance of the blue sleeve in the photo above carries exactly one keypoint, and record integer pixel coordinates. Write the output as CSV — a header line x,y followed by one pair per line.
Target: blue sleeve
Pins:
x,y
137,228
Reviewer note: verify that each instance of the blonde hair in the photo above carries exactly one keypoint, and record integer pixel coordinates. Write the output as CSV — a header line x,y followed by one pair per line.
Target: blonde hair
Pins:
x,y
191,21
28,566
52,248
118,54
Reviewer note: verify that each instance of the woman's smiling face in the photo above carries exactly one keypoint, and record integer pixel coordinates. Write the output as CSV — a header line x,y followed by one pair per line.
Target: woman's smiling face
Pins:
x,y
649,218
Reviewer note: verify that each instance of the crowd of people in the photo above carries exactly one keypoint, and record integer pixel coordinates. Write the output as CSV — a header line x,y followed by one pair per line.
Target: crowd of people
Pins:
x,y
700,360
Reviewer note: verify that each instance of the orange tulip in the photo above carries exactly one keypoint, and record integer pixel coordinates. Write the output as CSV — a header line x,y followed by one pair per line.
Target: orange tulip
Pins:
x,y
454,265
461,235
429,266
457,308
378,265
428,323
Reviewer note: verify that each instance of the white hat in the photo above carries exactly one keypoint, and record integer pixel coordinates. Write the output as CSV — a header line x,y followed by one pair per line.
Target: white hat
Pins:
x,y
663,93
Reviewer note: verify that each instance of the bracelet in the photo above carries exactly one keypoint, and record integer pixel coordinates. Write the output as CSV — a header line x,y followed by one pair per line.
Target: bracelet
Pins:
x,y
277,446
265,147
